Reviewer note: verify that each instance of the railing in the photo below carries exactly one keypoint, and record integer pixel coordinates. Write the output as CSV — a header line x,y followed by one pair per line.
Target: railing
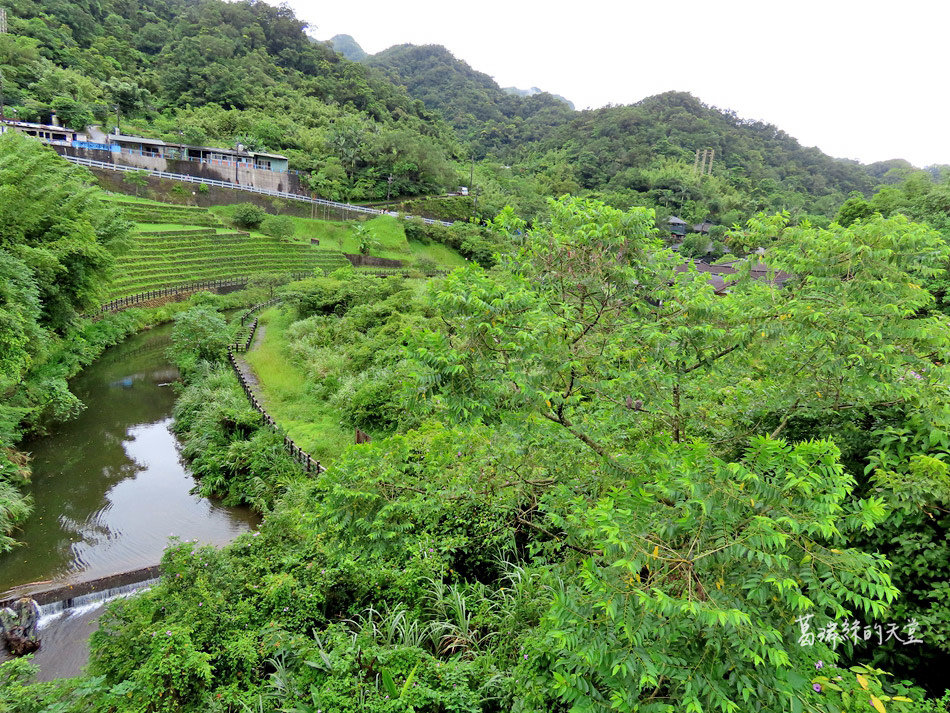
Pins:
x,y
310,464
241,187
124,302
398,272
243,345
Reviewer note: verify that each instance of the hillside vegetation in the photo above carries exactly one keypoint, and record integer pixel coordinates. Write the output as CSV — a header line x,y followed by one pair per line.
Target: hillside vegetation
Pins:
x,y
404,122
576,498
213,72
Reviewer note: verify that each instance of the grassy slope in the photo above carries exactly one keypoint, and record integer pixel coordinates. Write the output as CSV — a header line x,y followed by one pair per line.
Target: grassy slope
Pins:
x,y
314,425
207,251
386,229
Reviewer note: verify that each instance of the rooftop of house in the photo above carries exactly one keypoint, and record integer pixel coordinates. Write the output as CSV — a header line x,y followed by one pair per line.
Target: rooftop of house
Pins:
x,y
33,125
758,272
230,151
123,139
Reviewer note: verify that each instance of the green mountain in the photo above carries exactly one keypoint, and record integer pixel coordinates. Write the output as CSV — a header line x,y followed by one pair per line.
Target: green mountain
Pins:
x,y
470,100
640,154
617,147
213,72
532,92
348,47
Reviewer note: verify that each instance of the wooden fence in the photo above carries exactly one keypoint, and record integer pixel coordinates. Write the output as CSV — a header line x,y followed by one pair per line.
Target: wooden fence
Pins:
x,y
132,300
369,261
310,464
403,272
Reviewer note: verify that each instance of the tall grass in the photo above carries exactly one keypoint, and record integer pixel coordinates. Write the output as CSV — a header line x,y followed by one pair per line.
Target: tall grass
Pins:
x,y
313,424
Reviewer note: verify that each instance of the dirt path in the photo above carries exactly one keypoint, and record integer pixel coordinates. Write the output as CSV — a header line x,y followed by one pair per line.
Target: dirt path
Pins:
x,y
249,376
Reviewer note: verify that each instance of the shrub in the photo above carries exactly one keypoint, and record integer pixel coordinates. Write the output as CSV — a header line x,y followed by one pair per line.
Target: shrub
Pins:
x,y
278,226
203,188
136,179
248,216
426,264
199,334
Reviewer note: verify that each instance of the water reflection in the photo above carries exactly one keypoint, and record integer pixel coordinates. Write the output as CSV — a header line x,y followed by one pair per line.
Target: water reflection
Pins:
x,y
109,487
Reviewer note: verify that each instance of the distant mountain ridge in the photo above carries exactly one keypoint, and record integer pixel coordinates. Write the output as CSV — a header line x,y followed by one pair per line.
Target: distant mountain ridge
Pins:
x,y
532,92
348,47
471,101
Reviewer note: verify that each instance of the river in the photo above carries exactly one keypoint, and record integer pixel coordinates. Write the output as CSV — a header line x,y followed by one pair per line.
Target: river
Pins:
x,y
109,489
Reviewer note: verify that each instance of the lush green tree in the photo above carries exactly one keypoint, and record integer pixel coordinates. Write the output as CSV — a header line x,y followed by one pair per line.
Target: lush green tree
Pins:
x,y
278,226
52,219
137,179
854,209
200,334
248,216
586,335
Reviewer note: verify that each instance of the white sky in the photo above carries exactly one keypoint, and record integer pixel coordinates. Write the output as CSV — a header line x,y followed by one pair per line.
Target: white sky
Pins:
x,y
865,79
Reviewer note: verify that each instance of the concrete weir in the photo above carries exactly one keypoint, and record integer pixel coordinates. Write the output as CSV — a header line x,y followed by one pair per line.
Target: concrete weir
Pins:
x,y
45,593
70,612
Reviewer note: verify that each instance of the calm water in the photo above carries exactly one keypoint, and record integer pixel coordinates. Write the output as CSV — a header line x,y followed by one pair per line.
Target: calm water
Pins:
x,y
109,487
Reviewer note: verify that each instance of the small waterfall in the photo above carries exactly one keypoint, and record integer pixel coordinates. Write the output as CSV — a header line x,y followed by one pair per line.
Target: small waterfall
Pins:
x,y
76,606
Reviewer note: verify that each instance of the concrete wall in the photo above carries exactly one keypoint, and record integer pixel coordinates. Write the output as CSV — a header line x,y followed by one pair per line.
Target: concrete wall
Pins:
x,y
160,189
249,176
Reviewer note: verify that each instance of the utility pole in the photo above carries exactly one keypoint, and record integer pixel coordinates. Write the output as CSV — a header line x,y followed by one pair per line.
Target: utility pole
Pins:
x,y
237,151
1,81
389,187
117,125
3,20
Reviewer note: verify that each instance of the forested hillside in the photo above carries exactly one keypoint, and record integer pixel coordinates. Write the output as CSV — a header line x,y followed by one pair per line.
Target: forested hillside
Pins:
x,y
348,47
641,154
213,72
470,100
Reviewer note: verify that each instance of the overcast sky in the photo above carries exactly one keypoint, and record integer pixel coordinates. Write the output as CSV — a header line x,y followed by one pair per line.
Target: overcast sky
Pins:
x,y
859,79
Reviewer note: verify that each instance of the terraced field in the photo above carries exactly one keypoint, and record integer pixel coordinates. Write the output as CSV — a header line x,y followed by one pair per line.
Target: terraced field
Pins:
x,y
176,245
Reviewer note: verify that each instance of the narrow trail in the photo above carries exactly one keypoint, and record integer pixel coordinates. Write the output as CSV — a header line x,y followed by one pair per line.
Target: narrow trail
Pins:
x,y
246,370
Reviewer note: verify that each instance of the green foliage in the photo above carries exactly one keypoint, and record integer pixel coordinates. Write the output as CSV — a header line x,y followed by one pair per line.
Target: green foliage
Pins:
x,y
854,209
55,222
671,610
137,179
248,216
366,242
474,242
200,334
231,453
278,226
